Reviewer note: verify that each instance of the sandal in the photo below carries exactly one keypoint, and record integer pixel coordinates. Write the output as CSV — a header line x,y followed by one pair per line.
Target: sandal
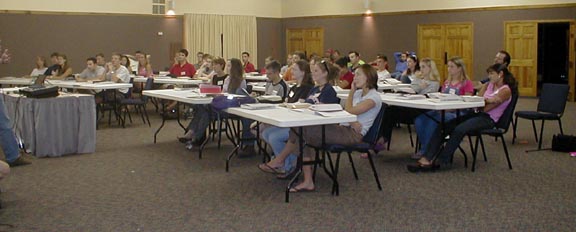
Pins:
x,y
301,190
269,169
419,167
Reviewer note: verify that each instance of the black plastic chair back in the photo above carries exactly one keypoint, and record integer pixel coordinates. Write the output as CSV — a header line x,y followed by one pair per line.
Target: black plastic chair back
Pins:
x,y
553,98
374,132
506,118
148,86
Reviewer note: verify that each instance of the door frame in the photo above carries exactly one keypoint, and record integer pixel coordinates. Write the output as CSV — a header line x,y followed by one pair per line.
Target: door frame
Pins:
x,y
571,49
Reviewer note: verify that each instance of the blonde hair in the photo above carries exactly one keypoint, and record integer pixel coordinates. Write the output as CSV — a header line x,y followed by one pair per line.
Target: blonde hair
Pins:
x,y
434,74
459,62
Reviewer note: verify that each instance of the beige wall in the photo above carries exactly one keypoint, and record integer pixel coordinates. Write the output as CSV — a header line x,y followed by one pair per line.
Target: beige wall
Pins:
x,y
299,8
260,8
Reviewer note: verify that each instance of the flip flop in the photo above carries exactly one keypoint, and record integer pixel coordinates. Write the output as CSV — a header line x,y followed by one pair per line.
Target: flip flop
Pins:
x,y
268,169
301,190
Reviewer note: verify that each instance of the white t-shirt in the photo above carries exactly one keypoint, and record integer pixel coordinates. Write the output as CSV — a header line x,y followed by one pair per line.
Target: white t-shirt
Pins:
x,y
121,73
383,75
38,72
367,118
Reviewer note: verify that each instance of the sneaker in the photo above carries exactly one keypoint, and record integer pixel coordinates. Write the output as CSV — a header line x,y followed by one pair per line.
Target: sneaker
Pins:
x,y
21,161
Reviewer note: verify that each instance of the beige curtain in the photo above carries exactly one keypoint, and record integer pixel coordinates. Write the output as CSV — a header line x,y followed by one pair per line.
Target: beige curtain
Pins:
x,y
202,33
240,36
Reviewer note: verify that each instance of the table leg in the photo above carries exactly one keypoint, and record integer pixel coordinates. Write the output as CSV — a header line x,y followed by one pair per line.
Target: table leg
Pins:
x,y
178,117
236,131
299,163
163,119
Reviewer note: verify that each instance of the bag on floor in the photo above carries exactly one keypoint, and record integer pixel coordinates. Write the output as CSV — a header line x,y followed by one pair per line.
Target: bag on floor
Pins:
x,y
564,143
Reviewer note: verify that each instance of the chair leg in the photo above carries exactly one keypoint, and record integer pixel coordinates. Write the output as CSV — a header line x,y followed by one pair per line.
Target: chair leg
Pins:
x,y
146,114
534,129
483,149
474,152
316,159
374,171
506,152
514,125
336,188
465,156
140,109
410,133
353,167
560,125
541,131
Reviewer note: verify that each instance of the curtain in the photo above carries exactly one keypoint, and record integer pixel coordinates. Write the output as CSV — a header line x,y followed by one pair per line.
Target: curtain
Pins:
x,y
202,33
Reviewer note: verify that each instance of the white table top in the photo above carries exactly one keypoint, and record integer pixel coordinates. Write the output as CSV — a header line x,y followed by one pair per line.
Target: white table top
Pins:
x,y
87,85
256,78
185,96
283,117
427,104
16,81
382,86
169,80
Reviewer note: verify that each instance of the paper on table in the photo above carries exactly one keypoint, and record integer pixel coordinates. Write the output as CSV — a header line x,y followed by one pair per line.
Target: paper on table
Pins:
x,y
326,107
333,113
258,106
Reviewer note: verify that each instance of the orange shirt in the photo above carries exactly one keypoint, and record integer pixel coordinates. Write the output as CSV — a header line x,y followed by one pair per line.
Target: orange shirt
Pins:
x,y
288,75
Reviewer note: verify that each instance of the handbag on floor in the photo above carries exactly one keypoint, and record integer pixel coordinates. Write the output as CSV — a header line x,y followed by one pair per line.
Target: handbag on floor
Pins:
x,y
564,143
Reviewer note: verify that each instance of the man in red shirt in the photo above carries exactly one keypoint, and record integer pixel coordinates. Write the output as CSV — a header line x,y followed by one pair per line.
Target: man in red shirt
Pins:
x,y
248,67
181,66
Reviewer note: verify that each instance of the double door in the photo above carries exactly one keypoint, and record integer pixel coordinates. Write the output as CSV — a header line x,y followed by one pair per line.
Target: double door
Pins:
x,y
309,41
440,42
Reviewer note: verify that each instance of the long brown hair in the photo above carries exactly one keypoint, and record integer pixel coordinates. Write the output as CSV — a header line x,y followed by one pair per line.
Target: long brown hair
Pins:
x,y
305,67
65,66
332,70
371,75
236,75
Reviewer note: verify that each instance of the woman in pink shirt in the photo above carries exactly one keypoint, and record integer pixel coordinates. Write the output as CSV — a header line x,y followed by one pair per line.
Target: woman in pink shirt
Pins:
x,y
497,96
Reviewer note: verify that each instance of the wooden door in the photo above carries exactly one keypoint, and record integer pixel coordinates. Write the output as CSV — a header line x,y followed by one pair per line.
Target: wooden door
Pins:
x,y
431,45
458,41
442,41
521,41
314,41
310,40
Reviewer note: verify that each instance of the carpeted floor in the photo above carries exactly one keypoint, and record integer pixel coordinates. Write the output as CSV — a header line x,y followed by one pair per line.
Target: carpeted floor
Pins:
x,y
131,184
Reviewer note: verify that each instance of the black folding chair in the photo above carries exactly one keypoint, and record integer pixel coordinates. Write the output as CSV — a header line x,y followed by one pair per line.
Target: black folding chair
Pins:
x,y
368,144
551,106
138,103
499,130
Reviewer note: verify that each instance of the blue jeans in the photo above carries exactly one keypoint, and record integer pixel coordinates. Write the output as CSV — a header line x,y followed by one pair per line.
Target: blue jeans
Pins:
x,y
7,139
457,129
277,137
426,126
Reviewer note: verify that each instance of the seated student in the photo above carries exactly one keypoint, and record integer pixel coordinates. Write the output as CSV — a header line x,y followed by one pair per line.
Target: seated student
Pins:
x,y
303,91
497,96
412,70
117,73
266,62
199,60
13,156
401,65
427,81
180,68
345,77
202,114
92,72
205,70
248,67
382,67
457,83
40,67
296,56
285,68
64,71
363,101
101,60
144,66
125,61
55,66
275,84
218,76
355,60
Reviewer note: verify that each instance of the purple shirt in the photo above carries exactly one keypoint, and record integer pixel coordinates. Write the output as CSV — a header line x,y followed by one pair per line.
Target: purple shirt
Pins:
x,y
496,113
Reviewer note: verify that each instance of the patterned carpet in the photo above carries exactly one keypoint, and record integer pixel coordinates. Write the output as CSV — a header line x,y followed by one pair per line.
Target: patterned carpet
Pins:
x,y
131,184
